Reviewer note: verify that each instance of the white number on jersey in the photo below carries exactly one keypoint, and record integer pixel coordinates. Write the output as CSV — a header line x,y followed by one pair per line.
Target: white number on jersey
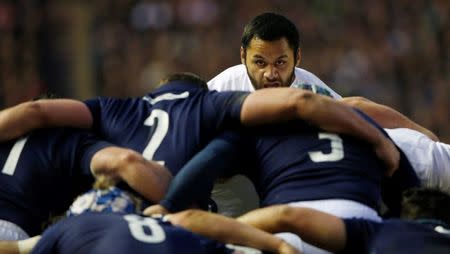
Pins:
x,y
136,224
161,129
337,149
13,157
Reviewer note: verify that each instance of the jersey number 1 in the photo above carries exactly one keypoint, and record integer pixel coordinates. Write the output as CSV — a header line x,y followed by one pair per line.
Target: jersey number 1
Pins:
x,y
13,157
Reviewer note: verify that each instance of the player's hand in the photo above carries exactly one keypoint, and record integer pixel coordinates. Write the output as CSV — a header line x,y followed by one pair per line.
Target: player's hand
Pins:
x,y
389,154
155,209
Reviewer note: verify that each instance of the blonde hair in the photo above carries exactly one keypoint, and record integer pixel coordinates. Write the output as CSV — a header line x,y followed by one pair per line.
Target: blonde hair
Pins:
x,y
103,182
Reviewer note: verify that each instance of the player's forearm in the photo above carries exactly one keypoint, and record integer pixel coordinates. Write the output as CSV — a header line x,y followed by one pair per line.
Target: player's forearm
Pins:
x,y
323,230
282,104
333,116
148,178
9,247
226,230
18,247
386,116
266,106
196,179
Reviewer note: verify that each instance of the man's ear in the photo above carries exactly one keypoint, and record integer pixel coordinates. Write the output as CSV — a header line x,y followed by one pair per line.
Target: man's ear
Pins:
x,y
299,57
243,55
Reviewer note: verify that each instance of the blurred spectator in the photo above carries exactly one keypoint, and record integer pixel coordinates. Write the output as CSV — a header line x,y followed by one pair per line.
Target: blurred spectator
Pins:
x,y
393,52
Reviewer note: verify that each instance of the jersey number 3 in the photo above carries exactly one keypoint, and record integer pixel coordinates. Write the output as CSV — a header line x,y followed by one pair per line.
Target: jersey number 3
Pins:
x,y
337,149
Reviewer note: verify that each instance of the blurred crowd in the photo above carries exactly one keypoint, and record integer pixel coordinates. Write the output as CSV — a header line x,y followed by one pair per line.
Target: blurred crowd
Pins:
x,y
393,52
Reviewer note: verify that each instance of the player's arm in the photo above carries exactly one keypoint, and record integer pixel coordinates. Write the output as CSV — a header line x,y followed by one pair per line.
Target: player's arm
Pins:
x,y
148,178
9,247
18,247
320,229
26,116
386,116
281,104
271,105
228,230
196,179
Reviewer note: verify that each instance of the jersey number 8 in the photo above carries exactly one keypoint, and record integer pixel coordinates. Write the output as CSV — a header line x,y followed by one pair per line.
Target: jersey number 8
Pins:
x,y
136,224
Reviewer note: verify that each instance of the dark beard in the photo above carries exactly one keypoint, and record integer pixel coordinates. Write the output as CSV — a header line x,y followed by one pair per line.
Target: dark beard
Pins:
x,y
253,81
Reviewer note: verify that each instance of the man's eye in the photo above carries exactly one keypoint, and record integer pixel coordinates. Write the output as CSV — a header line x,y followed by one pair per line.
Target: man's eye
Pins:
x,y
260,62
280,62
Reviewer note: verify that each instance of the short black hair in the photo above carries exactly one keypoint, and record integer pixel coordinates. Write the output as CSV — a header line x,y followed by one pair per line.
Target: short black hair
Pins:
x,y
184,76
270,26
426,203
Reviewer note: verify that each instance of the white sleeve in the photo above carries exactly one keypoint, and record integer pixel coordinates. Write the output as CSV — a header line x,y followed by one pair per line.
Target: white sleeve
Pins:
x,y
27,245
430,159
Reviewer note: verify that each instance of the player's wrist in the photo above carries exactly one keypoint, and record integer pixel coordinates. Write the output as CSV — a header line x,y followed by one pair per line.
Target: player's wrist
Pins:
x,y
285,248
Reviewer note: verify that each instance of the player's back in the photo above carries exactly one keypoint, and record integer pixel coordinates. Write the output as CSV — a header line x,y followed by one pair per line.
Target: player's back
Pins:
x,y
41,174
119,233
170,124
301,163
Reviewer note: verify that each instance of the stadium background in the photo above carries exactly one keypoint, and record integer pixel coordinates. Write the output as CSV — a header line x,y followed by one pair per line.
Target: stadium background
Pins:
x,y
393,52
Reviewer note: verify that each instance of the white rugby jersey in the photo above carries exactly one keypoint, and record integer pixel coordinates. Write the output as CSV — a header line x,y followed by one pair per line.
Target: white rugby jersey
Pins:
x,y
430,159
236,78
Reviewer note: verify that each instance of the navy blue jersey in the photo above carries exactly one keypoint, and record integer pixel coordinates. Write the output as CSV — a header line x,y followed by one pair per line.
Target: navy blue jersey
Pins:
x,y
315,165
170,124
395,236
119,233
292,162
300,162
42,173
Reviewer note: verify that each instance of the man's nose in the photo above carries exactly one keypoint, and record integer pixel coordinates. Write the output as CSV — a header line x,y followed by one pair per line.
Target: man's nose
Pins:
x,y
271,72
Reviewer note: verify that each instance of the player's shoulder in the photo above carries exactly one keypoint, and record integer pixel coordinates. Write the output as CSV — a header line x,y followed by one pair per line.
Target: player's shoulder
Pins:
x,y
307,80
307,76
232,72
233,78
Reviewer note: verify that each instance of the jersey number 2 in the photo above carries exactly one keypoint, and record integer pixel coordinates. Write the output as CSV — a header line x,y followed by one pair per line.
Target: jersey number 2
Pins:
x,y
161,128
13,157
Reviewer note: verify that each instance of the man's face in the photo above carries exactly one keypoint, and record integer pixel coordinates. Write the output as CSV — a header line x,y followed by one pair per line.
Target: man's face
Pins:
x,y
269,63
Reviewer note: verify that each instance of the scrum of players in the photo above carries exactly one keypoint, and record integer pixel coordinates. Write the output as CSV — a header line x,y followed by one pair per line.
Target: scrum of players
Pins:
x,y
332,174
